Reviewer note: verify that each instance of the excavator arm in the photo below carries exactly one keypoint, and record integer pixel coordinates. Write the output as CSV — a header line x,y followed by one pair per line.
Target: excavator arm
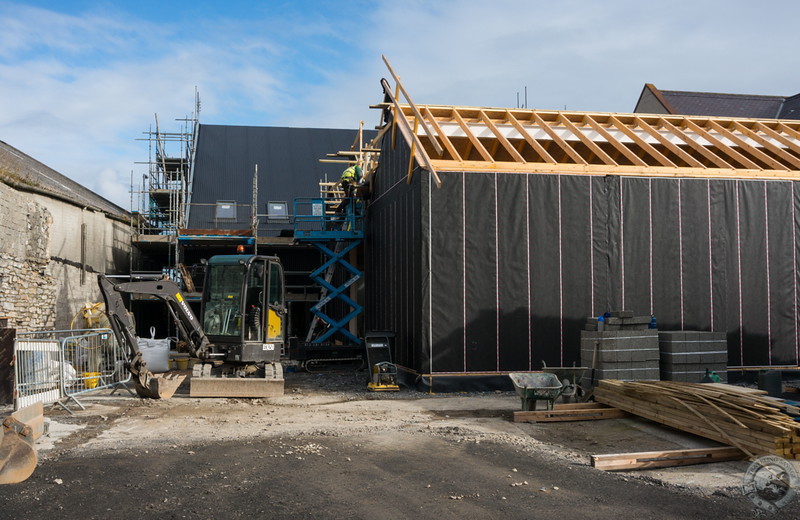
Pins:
x,y
147,384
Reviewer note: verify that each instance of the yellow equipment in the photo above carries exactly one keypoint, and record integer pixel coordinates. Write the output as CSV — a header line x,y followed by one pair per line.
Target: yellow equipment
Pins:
x,y
383,373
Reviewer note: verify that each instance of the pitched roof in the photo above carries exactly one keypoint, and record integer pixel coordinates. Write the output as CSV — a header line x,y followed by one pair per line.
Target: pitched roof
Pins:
x,y
26,173
450,138
655,101
288,162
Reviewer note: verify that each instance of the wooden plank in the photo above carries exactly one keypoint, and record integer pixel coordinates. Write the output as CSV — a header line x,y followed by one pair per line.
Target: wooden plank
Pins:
x,y
644,145
603,170
501,138
729,151
591,145
417,114
674,148
768,144
471,136
580,406
621,148
775,134
691,143
446,140
538,148
665,459
744,145
569,415
411,137
557,139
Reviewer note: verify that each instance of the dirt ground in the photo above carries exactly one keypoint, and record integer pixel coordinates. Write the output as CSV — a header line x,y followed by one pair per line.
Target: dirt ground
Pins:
x,y
330,449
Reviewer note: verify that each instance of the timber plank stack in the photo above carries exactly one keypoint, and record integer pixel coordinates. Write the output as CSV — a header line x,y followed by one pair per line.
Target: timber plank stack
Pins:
x,y
755,424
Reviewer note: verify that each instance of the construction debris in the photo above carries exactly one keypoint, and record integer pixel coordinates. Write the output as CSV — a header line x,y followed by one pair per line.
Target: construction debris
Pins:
x,y
732,415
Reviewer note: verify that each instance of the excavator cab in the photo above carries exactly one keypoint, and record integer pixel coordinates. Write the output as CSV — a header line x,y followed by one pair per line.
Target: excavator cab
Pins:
x,y
243,307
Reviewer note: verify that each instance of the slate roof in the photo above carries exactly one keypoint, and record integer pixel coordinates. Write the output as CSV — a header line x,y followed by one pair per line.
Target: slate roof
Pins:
x,y
288,162
26,173
717,104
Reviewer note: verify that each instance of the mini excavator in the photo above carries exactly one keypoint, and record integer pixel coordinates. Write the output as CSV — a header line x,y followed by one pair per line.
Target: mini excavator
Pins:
x,y
241,338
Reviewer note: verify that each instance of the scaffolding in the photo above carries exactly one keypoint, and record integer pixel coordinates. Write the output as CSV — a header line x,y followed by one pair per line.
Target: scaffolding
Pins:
x,y
163,195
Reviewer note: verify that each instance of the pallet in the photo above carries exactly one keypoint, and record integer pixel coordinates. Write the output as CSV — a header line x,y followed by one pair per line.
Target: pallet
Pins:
x,y
665,459
571,412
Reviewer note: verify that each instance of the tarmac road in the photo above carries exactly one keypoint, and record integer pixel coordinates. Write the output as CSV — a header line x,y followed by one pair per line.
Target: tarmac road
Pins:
x,y
345,477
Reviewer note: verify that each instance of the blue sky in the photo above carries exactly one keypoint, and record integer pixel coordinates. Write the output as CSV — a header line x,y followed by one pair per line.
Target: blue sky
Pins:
x,y
80,81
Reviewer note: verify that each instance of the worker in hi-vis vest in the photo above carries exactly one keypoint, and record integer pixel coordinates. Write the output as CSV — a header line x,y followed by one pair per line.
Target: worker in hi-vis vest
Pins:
x,y
350,178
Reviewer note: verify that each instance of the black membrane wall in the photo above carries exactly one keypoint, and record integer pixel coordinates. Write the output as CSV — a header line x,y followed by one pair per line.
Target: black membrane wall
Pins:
x,y
496,272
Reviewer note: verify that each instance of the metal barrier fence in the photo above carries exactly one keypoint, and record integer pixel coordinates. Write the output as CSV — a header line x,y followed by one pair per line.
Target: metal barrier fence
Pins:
x,y
52,366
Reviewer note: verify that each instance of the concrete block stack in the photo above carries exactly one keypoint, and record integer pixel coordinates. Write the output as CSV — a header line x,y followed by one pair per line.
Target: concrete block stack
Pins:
x,y
621,346
685,355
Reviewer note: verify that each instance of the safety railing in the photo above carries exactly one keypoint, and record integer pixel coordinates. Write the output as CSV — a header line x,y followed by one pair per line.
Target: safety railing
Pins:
x,y
56,366
316,219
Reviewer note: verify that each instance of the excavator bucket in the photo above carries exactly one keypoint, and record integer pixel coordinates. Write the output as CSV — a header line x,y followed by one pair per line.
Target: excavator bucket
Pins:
x,y
159,387
17,454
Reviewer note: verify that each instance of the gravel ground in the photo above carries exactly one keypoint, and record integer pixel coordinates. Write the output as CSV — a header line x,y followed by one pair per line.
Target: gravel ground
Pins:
x,y
330,449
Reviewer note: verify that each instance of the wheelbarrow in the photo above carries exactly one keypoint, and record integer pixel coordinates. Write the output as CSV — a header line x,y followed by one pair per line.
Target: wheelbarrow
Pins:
x,y
536,386
570,378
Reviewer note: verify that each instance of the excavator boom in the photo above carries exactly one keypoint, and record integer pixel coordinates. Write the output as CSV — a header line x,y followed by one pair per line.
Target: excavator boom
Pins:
x,y
146,383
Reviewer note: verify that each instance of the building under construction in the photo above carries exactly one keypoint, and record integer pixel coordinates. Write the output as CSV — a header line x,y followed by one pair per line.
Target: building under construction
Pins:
x,y
218,189
494,233
491,234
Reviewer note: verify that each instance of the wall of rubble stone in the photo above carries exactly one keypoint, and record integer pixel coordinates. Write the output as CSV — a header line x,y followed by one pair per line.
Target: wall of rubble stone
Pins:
x,y
51,251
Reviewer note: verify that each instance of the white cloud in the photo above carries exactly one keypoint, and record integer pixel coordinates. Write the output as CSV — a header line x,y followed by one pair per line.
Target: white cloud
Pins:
x,y
77,92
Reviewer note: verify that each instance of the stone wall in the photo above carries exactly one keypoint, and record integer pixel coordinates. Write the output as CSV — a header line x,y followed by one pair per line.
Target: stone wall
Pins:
x,y
27,287
50,254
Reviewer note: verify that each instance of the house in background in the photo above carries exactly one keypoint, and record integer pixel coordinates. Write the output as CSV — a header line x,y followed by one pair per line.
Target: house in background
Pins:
x,y
55,235
655,101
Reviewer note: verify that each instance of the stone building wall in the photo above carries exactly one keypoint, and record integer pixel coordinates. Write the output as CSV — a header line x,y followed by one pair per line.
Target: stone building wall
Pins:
x,y
27,286
50,254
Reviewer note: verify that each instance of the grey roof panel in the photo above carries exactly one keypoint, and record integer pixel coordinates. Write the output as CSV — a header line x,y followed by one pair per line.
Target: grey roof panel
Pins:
x,y
724,105
28,173
791,108
287,159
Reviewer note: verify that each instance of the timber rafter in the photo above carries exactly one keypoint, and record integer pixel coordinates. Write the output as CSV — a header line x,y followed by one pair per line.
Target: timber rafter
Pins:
x,y
454,138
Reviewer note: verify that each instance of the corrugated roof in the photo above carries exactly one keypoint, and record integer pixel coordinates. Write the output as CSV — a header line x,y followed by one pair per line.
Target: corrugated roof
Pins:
x,y
26,173
288,162
453,138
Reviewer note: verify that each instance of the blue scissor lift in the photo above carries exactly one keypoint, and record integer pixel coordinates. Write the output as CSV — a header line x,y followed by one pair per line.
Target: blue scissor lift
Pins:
x,y
335,231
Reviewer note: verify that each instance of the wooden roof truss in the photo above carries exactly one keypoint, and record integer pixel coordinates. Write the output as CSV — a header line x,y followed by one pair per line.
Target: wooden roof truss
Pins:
x,y
452,138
